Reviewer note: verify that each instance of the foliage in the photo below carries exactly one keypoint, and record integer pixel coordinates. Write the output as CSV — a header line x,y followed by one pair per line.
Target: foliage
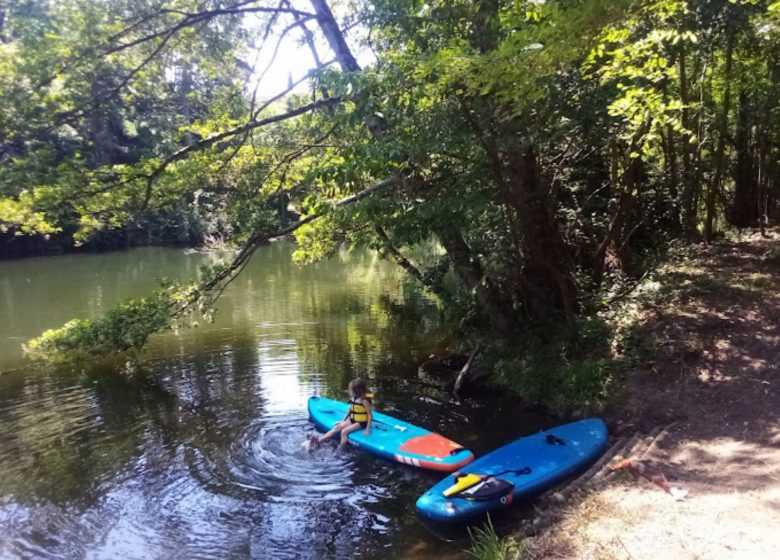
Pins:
x,y
579,370
125,327
543,149
84,116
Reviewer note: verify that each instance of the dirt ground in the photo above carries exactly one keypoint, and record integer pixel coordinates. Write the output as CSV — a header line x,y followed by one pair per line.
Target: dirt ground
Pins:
x,y
714,380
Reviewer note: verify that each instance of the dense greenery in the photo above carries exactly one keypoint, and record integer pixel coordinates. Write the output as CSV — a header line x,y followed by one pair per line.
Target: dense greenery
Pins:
x,y
547,149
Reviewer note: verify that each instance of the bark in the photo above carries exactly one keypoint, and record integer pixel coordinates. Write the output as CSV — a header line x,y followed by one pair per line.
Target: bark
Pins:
x,y
723,123
547,266
308,37
767,142
283,201
614,245
745,210
547,282
761,181
465,375
470,269
209,141
547,279
465,264
392,252
334,36
484,33
669,144
106,132
690,186
702,130
670,158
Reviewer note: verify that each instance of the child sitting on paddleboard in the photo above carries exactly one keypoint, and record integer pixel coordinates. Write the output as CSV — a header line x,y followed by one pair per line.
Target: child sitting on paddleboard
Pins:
x,y
358,416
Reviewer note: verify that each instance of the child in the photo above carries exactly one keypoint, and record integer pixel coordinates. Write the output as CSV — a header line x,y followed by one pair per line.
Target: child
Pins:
x,y
358,416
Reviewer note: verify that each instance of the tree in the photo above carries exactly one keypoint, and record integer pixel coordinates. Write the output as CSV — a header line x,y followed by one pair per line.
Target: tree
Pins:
x,y
543,146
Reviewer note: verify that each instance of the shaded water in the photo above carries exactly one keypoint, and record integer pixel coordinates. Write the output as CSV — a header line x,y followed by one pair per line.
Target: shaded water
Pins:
x,y
199,454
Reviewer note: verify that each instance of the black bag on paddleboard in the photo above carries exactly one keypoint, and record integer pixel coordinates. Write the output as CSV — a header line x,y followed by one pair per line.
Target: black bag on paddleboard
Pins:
x,y
488,489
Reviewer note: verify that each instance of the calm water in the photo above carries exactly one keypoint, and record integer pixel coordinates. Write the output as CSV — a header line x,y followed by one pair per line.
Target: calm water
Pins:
x,y
198,454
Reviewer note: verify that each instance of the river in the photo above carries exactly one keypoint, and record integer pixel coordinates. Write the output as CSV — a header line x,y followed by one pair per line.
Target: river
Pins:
x,y
197,453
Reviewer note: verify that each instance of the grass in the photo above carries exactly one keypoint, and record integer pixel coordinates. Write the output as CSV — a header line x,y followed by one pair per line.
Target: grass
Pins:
x,y
487,545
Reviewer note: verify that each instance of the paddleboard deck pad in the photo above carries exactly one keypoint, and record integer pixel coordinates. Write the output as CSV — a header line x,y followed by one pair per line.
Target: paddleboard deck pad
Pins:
x,y
516,471
394,439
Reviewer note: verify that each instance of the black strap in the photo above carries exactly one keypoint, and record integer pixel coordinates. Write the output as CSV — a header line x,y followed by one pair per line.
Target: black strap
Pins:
x,y
488,489
554,440
524,470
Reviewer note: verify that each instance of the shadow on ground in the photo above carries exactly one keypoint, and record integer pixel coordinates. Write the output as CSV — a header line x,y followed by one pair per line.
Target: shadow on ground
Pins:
x,y
716,371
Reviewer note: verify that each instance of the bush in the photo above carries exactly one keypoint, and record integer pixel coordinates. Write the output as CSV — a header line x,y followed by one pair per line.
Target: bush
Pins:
x,y
562,367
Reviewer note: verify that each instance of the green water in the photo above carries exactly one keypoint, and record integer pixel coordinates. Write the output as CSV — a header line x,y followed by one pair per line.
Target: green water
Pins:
x,y
198,453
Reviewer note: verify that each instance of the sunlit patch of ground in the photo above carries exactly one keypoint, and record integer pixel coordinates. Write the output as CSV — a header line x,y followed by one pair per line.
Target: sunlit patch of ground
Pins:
x,y
638,522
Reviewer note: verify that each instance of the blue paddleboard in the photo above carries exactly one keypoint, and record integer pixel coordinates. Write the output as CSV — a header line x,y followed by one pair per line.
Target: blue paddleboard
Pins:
x,y
394,439
516,471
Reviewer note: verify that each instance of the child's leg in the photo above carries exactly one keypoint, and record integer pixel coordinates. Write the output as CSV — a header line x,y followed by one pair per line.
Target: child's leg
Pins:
x,y
346,431
336,429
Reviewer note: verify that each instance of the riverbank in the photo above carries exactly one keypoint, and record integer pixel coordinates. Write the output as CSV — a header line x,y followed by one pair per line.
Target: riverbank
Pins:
x,y
713,320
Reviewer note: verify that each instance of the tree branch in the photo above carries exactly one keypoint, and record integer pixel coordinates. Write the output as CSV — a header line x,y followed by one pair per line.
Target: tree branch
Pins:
x,y
246,127
191,18
257,239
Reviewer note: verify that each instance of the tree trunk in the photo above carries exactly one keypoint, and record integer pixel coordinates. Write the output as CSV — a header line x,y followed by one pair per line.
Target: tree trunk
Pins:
x,y
670,160
547,272
547,279
392,252
614,244
744,212
468,267
723,124
536,237
690,186
334,36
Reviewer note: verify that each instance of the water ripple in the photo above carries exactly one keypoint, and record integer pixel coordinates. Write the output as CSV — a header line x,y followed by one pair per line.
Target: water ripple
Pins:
x,y
271,457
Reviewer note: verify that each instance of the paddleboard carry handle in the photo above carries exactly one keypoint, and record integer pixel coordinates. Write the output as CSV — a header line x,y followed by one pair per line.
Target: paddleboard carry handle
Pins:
x,y
554,440
464,481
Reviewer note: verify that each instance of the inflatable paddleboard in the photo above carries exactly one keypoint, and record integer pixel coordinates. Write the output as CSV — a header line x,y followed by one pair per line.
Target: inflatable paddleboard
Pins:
x,y
394,439
516,471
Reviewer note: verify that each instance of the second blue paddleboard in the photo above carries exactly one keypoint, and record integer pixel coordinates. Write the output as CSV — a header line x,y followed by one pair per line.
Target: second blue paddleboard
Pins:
x,y
531,464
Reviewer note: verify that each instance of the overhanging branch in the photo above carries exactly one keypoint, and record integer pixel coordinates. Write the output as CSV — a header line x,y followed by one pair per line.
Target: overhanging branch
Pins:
x,y
221,280
216,138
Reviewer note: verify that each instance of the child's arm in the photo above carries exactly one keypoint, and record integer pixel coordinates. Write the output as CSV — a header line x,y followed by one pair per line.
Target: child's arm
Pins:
x,y
369,414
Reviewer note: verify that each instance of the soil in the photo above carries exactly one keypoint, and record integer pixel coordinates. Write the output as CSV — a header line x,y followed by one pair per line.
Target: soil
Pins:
x,y
714,381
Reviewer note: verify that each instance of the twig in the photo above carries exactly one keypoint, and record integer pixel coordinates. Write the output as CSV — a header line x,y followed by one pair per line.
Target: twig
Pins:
x,y
464,372
624,547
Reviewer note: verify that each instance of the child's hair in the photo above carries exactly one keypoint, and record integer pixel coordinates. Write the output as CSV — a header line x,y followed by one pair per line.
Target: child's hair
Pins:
x,y
358,387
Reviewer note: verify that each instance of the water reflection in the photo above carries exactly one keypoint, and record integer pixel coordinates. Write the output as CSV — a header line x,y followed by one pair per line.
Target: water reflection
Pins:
x,y
199,454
